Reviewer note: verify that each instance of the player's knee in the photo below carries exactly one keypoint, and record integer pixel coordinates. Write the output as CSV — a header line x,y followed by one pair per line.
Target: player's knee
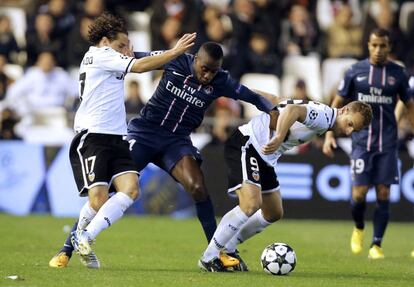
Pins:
x,y
132,192
197,191
358,195
97,200
273,214
251,206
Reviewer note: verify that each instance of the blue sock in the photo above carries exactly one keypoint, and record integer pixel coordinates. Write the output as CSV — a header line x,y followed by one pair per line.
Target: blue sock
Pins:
x,y
358,212
381,216
207,218
67,246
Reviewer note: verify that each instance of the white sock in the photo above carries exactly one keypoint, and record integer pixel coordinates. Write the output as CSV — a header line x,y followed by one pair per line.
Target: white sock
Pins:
x,y
228,227
86,215
256,224
109,213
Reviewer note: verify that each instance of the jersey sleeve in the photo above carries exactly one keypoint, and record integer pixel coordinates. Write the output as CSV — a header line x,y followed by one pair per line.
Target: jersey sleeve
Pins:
x,y
111,60
139,55
317,117
237,91
346,86
404,89
411,87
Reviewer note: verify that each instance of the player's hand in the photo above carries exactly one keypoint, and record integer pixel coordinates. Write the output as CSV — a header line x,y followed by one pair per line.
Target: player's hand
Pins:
x,y
184,43
272,145
329,145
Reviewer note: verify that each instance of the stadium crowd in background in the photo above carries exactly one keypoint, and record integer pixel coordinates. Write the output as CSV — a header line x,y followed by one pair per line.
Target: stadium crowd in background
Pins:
x,y
257,36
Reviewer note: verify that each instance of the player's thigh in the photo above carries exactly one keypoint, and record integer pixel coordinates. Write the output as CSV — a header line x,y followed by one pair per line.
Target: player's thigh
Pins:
x,y
187,171
243,163
272,206
385,171
361,164
90,158
142,154
250,198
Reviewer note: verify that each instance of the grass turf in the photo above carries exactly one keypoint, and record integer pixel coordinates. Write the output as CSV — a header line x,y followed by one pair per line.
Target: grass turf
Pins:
x,y
160,251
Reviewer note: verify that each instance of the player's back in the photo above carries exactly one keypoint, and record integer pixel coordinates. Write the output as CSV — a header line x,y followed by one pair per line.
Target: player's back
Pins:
x,y
319,118
101,91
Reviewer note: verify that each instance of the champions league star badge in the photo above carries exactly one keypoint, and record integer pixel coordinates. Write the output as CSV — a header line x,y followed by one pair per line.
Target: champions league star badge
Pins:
x,y
91,176
256,175
208,89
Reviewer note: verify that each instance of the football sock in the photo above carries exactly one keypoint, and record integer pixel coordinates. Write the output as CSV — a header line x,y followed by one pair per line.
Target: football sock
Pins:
x,y
109,213
67,246
206,216
255,224
381,216
86,215
227,228
358,212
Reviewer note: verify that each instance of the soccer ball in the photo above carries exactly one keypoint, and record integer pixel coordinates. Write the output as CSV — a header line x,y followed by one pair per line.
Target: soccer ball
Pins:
x,y
278,259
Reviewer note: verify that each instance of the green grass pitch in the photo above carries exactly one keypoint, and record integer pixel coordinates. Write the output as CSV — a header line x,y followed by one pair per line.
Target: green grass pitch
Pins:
x,y
160,251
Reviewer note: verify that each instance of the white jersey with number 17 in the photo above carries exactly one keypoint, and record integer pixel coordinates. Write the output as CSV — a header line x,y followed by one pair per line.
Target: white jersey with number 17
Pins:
x,y
101,91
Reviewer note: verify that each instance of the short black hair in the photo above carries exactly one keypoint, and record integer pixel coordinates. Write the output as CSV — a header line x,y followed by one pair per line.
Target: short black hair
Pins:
x,y
212,49
379,32
106,25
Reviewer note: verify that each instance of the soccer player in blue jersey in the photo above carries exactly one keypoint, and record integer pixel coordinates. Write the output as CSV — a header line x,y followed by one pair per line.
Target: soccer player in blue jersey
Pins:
x,y
380,83
161,133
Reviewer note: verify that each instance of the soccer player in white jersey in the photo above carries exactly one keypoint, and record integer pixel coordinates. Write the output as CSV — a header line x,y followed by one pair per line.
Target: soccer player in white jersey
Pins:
x,y
251,154
99,156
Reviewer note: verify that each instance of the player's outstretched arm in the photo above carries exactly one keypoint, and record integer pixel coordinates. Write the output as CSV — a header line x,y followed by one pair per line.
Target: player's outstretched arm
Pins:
x,y
150,63
410,111
274,99
330,142
287,118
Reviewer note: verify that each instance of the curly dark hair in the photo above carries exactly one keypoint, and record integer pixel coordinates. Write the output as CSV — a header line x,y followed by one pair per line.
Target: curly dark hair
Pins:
x,y
106,25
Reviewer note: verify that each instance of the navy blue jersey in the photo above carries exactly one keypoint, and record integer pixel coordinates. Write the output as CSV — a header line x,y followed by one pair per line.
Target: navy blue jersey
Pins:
x,y
180,101
381,87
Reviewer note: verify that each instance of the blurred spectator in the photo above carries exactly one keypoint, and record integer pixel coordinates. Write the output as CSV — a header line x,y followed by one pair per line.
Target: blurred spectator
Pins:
x,y
78,39
299,91
260,58
170,20
344,39
133,102
226,114
8,120
327,10
300,33
8,44
93,8
62,17
42,40
42,86
5,81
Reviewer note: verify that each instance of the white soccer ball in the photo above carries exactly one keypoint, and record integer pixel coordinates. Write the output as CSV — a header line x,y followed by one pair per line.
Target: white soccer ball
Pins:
x,y
278,259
